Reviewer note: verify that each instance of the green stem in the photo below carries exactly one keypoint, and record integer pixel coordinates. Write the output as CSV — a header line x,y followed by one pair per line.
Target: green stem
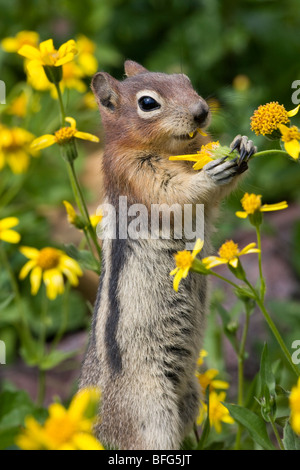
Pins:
x,y
273,329
65,316
61,104
270,153
241,360
280,443
262,280
42,344
81,204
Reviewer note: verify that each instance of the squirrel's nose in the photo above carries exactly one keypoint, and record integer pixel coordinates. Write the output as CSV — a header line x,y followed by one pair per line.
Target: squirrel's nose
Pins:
x,y
200,112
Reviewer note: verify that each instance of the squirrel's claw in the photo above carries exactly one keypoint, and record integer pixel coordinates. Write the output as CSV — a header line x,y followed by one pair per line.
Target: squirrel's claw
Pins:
x,y
245,147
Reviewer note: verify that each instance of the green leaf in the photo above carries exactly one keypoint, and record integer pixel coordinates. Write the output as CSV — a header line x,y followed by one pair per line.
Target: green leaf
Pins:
x,y
253,423
14,407
4,303
266,375
54,358
290,440
84,258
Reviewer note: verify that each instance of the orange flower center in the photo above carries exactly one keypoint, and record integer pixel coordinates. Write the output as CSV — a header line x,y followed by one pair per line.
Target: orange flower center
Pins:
x,y
251,203
65,134
291,133
48,258
266,118
183,259
229,250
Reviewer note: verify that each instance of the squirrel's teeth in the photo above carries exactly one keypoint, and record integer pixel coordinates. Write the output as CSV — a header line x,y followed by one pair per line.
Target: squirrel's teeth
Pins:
x,y
191,134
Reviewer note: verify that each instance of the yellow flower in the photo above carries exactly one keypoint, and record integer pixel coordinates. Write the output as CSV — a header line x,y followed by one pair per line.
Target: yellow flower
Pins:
x,y
49,264
202,157
15,148
252,203
267,117
46,56
75,219
294,400
6,234
291,139
64,429
202,355
218,413
184,261
62,136
89,101
241,83
229,254
18,106
208,379
86,59
13,44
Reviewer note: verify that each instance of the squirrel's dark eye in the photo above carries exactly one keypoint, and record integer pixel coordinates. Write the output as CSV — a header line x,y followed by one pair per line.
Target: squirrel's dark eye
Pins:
x,y
147,103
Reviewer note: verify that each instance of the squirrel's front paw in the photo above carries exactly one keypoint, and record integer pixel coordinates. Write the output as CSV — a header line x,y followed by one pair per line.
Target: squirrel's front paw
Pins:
x,y
245,147
222,171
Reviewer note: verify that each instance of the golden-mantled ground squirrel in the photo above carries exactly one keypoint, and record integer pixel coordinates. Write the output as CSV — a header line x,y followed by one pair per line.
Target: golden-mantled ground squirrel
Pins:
x,y
146,337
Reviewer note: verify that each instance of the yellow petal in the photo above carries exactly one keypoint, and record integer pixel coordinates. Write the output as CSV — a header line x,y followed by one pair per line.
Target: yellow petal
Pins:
x,y
177,279
69,263
42,142
293,148
47,47
10,236
30,52
71,121
241,214
220,384
198,247
234,262
10,44
8,222
85,441
294,111
86,136
274,207
202,162
212,261
193,157
68,47
172,273
246,249
28,266
35,279
54,282
29,252
201,132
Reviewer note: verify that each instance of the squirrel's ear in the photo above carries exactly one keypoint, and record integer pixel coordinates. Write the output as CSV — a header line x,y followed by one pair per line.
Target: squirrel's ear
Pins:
x,y
133,68
106,90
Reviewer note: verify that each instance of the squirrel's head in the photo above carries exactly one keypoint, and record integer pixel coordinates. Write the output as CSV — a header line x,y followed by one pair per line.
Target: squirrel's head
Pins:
x,y
150,110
